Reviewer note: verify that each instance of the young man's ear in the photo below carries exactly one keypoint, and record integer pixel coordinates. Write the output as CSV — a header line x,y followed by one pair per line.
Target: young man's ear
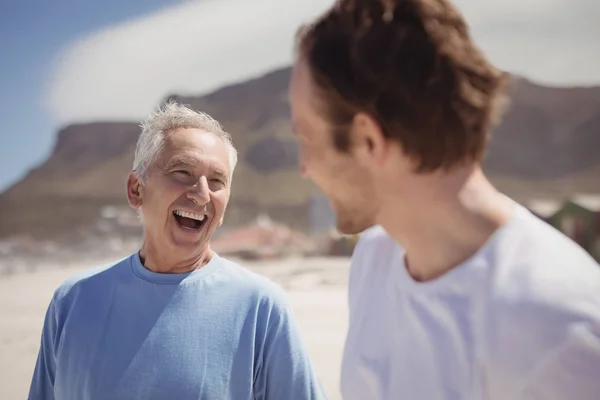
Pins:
x,y
368,140
134,190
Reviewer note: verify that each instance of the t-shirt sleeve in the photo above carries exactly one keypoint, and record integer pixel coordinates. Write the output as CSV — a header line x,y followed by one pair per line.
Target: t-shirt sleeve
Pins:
x,y
42,384
284,369
571,371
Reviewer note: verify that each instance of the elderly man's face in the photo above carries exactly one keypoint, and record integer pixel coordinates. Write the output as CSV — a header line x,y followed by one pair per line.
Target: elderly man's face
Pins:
x,y
184,196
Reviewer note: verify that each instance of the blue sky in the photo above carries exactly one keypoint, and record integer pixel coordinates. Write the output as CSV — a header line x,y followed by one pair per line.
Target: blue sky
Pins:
x,y
81,60
31,35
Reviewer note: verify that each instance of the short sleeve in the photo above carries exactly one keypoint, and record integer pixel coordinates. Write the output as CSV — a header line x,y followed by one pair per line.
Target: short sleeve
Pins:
x,y
285,370
42,384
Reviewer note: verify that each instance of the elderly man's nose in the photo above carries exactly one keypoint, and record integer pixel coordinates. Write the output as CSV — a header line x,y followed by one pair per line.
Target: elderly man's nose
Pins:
x,y
199,193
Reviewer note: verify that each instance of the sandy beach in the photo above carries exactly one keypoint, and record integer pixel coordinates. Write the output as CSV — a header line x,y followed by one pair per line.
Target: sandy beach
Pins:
x,y
316,286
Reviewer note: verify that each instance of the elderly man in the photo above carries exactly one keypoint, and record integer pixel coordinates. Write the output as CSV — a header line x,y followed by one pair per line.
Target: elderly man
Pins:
x,y
175,320
456,291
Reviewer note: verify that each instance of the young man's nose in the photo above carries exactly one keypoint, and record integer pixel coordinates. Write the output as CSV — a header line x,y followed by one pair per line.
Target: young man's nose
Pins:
x,y
302,167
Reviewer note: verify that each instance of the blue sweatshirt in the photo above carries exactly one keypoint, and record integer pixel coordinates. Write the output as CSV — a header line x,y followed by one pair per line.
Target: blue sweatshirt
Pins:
x,y
124,332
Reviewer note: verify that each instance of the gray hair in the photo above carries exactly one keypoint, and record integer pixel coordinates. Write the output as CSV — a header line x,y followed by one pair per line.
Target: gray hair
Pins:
x,y
169,117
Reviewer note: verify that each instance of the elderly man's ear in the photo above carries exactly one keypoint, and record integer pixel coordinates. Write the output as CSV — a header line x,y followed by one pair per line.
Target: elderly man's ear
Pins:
x,y
134,190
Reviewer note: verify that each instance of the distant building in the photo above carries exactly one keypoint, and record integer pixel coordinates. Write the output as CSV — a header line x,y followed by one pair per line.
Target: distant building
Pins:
x,y
321,216
341,245
261,239
544,209
578,217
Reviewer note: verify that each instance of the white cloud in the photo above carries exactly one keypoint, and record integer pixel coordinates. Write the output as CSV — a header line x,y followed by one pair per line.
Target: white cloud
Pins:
x,y
123,71
550,41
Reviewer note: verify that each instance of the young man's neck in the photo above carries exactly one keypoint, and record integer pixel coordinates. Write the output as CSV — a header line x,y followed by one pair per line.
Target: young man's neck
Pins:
x,y
163,263
444,220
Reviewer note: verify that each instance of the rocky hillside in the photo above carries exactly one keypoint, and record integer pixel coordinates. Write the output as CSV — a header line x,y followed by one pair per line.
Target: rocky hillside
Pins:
x,y
547,146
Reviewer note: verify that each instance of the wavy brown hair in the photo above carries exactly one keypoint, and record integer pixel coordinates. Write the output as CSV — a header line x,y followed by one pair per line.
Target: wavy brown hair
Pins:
x,y
413,67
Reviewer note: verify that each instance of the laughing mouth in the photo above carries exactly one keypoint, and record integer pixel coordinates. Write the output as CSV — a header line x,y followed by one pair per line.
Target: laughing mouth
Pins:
x,y
189,220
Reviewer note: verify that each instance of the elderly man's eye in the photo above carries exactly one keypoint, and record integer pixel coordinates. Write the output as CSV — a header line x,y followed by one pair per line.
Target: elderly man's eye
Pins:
x,y
182,172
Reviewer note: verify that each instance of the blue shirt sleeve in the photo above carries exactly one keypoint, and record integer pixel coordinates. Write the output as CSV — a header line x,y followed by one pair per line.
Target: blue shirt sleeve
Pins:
x,y
284,369
42,384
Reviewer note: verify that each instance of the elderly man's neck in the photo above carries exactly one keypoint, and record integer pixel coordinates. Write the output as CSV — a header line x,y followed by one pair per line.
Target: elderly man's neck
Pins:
x,y
162,263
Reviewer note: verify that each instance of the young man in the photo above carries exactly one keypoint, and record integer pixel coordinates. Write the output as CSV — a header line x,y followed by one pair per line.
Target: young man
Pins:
x,y
456,292
174,320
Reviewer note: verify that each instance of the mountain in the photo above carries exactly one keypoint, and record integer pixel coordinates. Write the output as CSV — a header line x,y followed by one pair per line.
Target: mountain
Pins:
x,y
548,143
546,147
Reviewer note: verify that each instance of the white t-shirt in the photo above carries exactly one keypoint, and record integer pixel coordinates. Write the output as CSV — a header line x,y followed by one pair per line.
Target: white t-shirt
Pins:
x,y
520,320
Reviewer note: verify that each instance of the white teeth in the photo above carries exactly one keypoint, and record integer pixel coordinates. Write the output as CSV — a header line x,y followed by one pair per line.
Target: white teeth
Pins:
x,y
197,217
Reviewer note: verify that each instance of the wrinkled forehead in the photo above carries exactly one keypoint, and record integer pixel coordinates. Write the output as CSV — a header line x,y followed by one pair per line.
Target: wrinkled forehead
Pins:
x,y
194,148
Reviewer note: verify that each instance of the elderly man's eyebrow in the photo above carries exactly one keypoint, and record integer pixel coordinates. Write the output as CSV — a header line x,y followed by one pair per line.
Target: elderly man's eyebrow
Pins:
x,y
181,162
219,173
